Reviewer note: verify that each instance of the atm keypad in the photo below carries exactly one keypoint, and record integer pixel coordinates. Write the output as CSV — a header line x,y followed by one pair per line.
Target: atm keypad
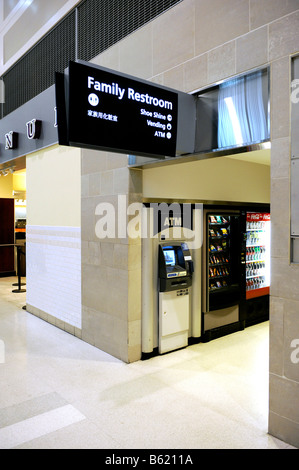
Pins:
x,y
182,292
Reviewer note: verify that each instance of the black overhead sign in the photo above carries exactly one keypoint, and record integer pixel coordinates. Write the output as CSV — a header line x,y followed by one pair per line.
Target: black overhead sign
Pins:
x,y
111,111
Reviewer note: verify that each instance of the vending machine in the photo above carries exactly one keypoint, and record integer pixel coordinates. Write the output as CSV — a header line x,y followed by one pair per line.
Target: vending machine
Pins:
x,y
257,254
236,269
222,283
256,244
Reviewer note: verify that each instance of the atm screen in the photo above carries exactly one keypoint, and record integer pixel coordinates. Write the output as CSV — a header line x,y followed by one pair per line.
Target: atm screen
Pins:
x,y
169,257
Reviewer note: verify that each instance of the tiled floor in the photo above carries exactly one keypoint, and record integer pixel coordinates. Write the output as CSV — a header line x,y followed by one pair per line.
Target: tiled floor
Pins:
x,y
59,392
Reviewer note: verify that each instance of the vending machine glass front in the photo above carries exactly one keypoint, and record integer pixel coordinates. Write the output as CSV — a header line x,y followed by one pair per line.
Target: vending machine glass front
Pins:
x,y
219,252
258,235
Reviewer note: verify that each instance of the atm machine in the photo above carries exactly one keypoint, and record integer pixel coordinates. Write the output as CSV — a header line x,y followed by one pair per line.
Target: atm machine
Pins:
x,y
175,280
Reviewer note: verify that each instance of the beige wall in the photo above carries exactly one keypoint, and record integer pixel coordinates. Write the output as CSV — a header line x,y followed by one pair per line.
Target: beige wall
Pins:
x,y
19,181
12,182
6,186
198,43
217,179
111,267
53,187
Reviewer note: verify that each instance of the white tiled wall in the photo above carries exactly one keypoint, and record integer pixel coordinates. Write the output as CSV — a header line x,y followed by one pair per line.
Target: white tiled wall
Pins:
x,y
53,272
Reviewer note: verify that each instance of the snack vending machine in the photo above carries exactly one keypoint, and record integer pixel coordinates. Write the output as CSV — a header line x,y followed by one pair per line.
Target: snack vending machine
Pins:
x,y
258,235
221,273
222,284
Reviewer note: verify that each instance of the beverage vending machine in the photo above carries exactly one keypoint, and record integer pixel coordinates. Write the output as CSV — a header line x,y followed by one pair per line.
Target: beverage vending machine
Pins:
x,y
257,254
256,246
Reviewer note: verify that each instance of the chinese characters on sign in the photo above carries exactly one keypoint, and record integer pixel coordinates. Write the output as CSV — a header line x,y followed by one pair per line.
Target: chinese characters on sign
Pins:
x,y
101,115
